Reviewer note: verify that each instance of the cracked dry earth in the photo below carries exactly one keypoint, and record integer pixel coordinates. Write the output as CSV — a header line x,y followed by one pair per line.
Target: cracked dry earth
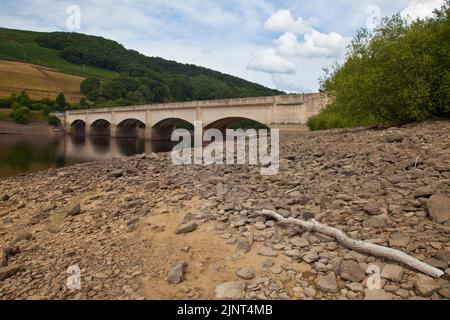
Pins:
x,y
141,228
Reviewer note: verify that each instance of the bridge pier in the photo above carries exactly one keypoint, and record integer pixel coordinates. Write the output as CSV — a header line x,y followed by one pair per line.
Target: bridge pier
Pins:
x,y
87,130
114,130
148,133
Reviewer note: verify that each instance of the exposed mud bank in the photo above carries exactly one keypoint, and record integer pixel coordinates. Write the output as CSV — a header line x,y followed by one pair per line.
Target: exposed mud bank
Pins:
x,y
33,128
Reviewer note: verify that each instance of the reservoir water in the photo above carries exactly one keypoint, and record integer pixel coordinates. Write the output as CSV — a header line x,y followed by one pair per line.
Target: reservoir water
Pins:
x,y
26,154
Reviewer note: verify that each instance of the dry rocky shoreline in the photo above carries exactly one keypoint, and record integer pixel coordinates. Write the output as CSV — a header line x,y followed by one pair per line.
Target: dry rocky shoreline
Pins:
x,y
142,228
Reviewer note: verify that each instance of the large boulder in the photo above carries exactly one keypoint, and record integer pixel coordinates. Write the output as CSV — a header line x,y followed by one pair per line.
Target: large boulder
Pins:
x,y
426,286
327,283
392,272
244,245
186,228
75,210
352,271
230,290
439,208
376,294
423,192
245,273
177,273
3,258
8,272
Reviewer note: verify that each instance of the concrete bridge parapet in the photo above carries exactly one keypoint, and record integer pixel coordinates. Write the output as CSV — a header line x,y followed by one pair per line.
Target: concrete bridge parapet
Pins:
x,y
157,121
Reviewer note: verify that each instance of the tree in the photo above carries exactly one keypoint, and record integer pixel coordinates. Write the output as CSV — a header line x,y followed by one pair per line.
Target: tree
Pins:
x,y
135,98
398,74
23,99
83,103
88,85
146,93
61,100
21,115
53,121
46,110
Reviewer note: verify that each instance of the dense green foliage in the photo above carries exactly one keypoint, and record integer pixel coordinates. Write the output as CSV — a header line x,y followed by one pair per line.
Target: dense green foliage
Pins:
x,y
118,76
61,101
22,109
15,101
18,45
144,79
21,115
53,121
398,74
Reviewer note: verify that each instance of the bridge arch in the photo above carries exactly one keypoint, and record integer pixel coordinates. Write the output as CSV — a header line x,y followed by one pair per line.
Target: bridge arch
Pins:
x,y
100,127
130,128
212,117
78,127
236,123
164,128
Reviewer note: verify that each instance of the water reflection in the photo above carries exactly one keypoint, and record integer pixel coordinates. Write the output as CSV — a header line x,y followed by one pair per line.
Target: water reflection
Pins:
x,y
25,154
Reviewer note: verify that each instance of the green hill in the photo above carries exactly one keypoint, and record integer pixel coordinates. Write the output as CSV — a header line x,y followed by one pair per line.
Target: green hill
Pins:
x,y
125,76
17,45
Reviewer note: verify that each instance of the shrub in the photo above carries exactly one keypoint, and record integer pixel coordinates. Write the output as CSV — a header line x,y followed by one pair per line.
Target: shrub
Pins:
x,y
15,105
46,110
6,102
61,100
21,115
398,74
53,121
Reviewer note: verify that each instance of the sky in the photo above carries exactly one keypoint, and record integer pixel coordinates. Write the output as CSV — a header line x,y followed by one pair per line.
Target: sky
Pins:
x,y
280,44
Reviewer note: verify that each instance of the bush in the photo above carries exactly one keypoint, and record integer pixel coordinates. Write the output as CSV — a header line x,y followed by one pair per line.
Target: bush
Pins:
x,y
61,100
6,102
15,105
335,117
23,99
53,121
21,115
398,74
83,103
46,111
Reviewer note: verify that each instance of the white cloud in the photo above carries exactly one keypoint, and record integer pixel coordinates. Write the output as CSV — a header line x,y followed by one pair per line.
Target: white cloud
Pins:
x,y
421,9
222,35
315,44
268,61
283,21
300,47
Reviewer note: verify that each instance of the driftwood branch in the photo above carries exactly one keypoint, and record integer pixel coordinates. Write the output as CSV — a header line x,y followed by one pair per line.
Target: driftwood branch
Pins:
x,y
357,245
290,191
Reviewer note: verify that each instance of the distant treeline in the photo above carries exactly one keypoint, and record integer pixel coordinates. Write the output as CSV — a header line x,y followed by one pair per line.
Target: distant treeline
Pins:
x,y
144,79
397,74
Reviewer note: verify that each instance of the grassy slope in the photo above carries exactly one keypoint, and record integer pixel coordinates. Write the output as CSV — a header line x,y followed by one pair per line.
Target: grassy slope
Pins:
x,y
37,81
17,45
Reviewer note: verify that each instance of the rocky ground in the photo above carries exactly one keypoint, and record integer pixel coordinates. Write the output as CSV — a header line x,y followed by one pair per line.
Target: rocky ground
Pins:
x,y
141,228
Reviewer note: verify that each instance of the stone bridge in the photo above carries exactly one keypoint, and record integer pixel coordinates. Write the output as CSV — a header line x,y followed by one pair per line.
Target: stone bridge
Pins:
x,y
157,121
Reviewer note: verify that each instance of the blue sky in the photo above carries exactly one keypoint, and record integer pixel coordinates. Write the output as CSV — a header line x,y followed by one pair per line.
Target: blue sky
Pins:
x,y
281,44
